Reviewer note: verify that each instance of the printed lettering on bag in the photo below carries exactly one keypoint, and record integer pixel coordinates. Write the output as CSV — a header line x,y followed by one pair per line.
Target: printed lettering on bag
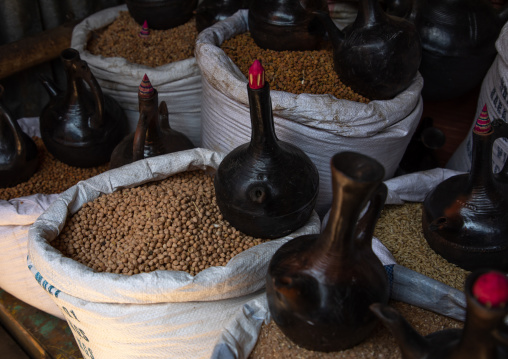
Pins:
x,y
85,350
70,313
498,103
503,89
79,331
79,334
44,284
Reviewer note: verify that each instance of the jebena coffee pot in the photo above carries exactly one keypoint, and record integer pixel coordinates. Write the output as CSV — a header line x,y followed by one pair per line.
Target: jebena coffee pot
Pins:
x,y
80,126
18,152
377,55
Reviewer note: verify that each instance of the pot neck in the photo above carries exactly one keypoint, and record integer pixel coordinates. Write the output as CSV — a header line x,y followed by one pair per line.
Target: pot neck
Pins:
x,y
477,339
369,13
148,137
150,107
481,162
75,86
9,129
263,132
349,199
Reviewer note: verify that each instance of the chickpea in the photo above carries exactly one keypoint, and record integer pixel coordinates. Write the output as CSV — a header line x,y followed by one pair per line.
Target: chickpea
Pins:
x,y
119,247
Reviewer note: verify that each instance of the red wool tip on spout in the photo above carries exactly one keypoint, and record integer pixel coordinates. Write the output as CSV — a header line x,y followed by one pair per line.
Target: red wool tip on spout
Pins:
x,y
256,75
482,125
145,31
491,289
145,88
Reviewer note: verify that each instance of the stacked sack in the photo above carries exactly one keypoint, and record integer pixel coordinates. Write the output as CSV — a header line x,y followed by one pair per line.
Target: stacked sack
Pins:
x,y
321,125
178,83
494,94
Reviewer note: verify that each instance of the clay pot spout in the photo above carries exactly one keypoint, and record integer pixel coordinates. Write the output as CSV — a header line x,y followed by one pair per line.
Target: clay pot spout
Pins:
x,y
411,343
503,13
334,33
52,90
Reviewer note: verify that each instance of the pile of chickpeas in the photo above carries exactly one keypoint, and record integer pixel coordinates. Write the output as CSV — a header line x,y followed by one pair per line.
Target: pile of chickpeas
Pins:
x,y
173,224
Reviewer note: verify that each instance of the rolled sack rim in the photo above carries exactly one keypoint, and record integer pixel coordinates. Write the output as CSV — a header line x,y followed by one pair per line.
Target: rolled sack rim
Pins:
x,y
106,67
243,274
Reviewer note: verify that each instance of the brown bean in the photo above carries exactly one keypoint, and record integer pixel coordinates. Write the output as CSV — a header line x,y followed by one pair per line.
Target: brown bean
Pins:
x,y
131,249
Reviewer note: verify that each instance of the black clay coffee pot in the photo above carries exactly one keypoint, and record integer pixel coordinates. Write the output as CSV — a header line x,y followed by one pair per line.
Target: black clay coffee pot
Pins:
x,y
319,287
420,154
287,24
465,218
209,12
265,188
161,14
153,135
485,333
377,55
458,41
80,126
18,152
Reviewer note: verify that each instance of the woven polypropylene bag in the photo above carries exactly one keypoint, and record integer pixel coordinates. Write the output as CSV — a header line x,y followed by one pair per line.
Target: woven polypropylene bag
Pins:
x,y
178,83
16,217
321,125
494,94
161,314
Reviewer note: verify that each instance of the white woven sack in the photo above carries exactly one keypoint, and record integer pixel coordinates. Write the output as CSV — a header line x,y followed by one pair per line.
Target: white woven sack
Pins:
x,y
16,217
162,314
178,83
343,12
321,125
494,94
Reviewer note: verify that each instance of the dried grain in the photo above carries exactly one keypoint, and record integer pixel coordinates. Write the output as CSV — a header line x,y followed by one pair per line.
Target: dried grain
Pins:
x,y
400,230
296,72
120,39
273,344
52,176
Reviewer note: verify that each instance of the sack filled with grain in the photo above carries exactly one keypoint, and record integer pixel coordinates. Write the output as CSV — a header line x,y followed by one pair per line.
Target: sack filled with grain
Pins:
x,y
171,66
16,217
141,263
321,125
20,206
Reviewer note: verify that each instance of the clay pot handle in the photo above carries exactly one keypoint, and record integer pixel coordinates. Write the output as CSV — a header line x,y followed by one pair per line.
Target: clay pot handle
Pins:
x,y
138,145
501,334
501,130
503,13
310,5
366,224
164,116
83,70
16,131
49,85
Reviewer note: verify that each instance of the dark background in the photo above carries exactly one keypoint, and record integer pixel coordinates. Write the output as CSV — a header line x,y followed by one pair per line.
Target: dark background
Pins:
x,y
24,95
